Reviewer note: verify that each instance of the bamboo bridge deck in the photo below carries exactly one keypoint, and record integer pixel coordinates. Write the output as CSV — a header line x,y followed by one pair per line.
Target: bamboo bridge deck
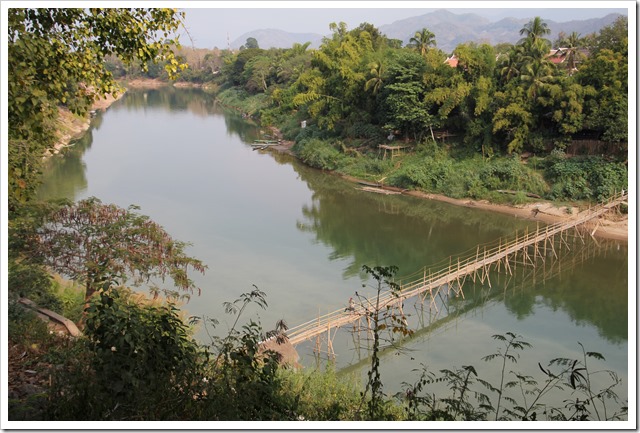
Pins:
x,y
451,278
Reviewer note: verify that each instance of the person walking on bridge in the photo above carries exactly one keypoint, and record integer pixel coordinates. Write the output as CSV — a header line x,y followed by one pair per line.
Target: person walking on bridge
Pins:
x,y
352,306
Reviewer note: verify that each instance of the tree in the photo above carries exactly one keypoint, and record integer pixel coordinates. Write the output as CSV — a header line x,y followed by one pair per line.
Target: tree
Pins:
x,y
516,122
251,43
333,89
565,100
570,49
57,56
236,67
403,95
257,72
607,110
375,82
382,317
535,75
511,62
613,37
535,29
104,245
422,41
476,60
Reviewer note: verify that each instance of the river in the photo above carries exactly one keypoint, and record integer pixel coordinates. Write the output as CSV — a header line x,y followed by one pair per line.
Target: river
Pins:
x,y
302,236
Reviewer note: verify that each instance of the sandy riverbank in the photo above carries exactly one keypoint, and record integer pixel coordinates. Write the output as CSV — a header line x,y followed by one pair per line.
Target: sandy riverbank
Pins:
x,y
145,83
148,83
612,226
71,127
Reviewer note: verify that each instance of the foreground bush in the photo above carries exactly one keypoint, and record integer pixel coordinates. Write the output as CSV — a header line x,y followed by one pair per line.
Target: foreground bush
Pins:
x,y
138,361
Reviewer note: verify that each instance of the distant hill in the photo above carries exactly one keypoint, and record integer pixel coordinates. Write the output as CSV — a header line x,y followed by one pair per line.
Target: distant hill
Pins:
x,y
273,38
450,29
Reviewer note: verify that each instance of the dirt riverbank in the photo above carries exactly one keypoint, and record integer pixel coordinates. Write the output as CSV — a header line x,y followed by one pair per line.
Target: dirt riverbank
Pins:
x,y
71,127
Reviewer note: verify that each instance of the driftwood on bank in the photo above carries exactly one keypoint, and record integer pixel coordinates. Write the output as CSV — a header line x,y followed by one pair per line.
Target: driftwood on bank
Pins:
x,y
509,191
52,316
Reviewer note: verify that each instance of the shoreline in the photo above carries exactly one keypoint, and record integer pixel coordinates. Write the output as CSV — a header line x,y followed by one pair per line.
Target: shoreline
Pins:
x,y
613,228
71,127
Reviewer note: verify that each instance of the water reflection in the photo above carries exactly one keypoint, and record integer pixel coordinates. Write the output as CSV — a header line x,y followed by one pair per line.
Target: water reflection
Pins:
x,y
64,175
356,225
408,232
527,292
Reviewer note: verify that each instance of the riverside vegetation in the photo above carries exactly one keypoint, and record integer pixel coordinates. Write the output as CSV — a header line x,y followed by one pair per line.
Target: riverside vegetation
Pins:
x,y
507,114
137,359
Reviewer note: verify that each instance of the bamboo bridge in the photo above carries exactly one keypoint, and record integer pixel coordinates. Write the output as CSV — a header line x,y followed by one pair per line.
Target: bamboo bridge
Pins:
x,y
527,248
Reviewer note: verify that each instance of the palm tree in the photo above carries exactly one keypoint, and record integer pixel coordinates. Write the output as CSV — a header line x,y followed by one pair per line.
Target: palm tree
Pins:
x,y
511,64
422,41
535,29
299,49
375,82
571,45
535,75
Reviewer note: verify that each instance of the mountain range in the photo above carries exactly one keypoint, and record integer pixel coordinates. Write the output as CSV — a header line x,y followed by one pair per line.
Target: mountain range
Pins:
x,y
449,28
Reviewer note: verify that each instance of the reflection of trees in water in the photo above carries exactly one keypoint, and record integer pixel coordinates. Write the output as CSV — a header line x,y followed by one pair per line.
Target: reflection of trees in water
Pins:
x,y
64,174
566,284
595,291
588,283
235,123
371,229
194,101
376,229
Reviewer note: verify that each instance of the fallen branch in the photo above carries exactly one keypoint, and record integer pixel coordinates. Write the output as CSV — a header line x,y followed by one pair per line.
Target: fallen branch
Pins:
x,y
509,191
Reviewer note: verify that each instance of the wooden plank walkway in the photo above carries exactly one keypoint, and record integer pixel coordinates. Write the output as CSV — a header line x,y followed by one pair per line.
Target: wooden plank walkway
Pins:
x,y
452,277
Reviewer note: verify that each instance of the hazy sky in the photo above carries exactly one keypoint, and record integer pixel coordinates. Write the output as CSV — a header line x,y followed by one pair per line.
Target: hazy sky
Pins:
x,y
210,22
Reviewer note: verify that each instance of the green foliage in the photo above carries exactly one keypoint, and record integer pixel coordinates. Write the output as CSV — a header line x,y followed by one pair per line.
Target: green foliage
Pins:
x,y
520,397
515,121
402,96
422,41
241,100
382,317
251,43
613,37
25,326
585,178
357,84
71,298
319,154
137,346
368,167
606,108
56,56
474,177
323,395
244,382
137,360
31,281
102,245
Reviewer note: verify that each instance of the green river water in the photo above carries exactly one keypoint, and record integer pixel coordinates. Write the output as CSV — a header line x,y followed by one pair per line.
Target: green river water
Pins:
x,y
302,236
